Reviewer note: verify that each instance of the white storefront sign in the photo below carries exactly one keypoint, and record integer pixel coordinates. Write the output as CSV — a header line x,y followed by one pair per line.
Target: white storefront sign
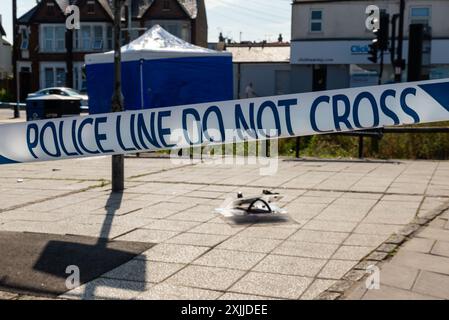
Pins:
x,y
353,52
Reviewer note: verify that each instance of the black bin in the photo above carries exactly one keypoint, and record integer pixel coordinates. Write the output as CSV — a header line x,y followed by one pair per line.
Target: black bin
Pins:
x,y
51,106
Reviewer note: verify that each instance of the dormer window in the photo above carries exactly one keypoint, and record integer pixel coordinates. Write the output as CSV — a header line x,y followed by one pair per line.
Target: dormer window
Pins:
x,y
91,7
166,5
50,8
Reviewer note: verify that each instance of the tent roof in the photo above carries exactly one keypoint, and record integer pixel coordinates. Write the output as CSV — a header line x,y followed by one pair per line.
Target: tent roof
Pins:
x,y
156,43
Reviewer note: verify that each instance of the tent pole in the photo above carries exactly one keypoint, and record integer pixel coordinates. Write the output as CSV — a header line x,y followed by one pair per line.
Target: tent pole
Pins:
x,y
141,85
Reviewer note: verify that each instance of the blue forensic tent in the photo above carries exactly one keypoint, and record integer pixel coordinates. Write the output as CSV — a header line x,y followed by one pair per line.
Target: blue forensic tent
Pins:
x,y
160,70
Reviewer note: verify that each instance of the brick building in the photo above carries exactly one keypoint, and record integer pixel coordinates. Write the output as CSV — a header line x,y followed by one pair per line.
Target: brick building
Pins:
x,y
47,49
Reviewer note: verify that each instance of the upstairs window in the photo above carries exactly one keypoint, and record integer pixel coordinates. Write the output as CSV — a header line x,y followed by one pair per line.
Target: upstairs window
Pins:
x,y
91,7
91,38
98,38
420,15
50,8
25,39
60,38
316,20
166,5
53,39
109,36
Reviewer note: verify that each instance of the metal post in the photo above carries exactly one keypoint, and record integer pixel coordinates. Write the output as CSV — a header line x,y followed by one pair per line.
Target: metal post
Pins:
x,y
381,72
298,144
118,161
360,147
15,57
130,25
69,58
268,148
399,63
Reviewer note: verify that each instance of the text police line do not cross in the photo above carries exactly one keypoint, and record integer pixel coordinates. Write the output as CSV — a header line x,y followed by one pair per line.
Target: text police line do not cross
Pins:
x,y
225,122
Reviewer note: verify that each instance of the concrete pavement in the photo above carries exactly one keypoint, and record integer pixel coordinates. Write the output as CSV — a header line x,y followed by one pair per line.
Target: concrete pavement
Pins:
x,y
339,213
419,270
7,116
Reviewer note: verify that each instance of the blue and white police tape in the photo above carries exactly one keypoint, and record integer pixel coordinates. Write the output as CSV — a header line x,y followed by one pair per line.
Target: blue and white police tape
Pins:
x,y
227,121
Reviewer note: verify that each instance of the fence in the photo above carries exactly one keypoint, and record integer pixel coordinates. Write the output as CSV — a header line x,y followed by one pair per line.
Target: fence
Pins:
x,y
377,134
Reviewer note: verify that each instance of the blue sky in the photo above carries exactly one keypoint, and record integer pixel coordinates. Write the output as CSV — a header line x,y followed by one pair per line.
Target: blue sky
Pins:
x,y
249,20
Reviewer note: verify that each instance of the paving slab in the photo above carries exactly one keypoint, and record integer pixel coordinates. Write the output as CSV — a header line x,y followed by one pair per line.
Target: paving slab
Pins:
x,y
229,259
197,239
144,270
173,253
306,249
336,269
272,285
206,277
419,245
391,293
441,248
290,265
240,243
398,276
172,292
433,284
422,261
316,288
107,289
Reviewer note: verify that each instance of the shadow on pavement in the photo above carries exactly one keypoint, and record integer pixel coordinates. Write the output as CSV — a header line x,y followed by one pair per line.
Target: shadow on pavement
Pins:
x,y
36,264
259,219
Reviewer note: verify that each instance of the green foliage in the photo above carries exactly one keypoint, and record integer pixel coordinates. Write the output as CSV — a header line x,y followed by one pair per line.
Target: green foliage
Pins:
x,y
5,96
391,146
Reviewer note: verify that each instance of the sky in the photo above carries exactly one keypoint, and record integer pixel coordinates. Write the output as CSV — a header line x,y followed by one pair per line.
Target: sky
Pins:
x,y
248,20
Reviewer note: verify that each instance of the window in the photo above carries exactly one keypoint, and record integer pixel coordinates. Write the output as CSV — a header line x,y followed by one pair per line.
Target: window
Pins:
x,y
48,38
53,76
60,77
109,37
25,39
85,38
79,77
166,5
90,38
50,8
316,20
53,39
91,7
49,77
59,38
98,38
420,15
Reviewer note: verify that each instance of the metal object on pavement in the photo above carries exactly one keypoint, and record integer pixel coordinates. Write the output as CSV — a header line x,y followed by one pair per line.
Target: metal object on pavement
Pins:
x,y
264,204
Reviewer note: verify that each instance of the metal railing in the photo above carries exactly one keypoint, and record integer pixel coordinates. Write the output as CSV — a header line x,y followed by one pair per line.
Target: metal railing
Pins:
x,y
11,105
376,135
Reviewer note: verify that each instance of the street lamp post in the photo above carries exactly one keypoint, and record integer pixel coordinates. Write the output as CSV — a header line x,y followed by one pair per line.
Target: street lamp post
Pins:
x,y
400,63
118,161
14,57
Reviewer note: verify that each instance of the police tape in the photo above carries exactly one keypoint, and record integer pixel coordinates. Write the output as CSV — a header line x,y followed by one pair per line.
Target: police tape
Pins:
x,y
225,122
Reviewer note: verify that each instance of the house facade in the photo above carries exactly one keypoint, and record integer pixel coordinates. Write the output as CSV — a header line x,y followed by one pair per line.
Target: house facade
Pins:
x,y
50,55
330,42
5,54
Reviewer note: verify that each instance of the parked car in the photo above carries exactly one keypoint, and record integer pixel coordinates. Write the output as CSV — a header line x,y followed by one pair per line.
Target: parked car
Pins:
x,y
60,91
49,106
